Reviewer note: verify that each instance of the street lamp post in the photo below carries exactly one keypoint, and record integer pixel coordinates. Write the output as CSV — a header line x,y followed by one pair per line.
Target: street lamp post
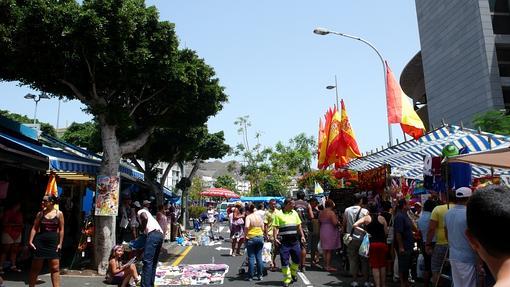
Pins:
x,y
36,99
336,92
323,31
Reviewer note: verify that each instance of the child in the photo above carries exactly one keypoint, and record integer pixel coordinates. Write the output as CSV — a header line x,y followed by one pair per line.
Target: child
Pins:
x,y
117,272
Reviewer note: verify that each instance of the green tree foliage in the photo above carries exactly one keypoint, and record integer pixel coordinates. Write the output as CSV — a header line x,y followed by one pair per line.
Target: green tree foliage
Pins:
x,y
326,178
120,61
296,157
85,135
45,127
275,185
497,122
270,171
197,185
226,181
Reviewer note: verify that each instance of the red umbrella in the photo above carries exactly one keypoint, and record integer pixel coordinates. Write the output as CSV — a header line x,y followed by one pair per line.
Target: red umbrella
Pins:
x,y
219,192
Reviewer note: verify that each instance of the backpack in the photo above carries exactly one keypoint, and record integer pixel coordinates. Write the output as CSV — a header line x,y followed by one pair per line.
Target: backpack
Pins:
x,y
302,211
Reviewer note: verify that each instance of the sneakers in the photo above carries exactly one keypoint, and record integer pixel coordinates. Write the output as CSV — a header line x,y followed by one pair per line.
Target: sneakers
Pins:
x,y
368,284
354,284
294,279
285,284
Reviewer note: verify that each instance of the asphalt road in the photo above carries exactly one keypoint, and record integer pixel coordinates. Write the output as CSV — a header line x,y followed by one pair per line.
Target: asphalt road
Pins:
x,y
218,253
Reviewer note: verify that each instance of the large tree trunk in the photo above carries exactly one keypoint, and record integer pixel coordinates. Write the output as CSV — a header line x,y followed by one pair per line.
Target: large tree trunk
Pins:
x,y
105,225
185,195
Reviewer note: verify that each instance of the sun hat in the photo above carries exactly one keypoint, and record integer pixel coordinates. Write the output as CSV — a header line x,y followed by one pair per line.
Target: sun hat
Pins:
x,y
137,204
145,202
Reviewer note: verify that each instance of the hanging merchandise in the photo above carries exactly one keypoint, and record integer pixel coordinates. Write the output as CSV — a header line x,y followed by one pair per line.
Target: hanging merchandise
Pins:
x,y
459,174
374,179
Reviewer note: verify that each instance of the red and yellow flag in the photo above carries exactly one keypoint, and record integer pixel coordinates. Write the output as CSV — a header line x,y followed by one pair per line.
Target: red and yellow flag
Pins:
x,y
400,109
51,187
343,146
324,133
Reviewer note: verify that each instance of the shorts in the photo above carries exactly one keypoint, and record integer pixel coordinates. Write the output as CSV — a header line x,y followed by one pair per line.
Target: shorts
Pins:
x,y
7,239
377,254
438,256
404,262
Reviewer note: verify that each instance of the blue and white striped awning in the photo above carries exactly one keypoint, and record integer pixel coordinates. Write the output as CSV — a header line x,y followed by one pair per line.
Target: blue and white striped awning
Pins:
x,y
61,161
57,160
406,159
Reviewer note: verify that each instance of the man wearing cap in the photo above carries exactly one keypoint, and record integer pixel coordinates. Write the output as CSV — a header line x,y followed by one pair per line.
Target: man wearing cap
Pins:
x,y
288,235
462,257
146,205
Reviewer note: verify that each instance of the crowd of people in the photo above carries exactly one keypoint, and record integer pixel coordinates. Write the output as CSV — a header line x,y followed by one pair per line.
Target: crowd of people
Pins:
x,y
406,238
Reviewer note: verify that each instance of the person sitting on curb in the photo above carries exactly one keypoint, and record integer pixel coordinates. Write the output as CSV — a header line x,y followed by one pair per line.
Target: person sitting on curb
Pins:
x,y
119,273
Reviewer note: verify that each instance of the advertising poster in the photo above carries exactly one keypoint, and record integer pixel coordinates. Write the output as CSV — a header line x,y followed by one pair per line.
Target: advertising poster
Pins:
x,y
107,195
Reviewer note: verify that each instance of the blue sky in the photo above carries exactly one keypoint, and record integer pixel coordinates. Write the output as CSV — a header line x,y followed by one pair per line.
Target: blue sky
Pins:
x,y
275,69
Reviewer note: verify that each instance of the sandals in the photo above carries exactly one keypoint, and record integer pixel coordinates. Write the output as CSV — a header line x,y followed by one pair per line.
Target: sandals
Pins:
x,y
15,269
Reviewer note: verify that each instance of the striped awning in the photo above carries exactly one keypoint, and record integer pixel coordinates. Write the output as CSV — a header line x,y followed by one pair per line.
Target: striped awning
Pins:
x,y
406,159
64,161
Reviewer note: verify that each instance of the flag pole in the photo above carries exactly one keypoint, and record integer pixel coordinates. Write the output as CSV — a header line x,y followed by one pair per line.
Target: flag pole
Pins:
x,y
322,31
336,92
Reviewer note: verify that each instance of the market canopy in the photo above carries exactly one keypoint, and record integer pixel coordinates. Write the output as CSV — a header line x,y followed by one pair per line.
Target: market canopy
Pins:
x,y
64,161
496,158
219,192
406,159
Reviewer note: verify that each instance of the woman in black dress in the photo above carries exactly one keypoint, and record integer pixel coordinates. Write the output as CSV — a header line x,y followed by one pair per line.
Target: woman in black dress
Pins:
x,y
46,239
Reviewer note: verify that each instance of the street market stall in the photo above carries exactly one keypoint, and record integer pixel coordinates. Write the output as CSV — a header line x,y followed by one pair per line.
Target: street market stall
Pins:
x,y
407,159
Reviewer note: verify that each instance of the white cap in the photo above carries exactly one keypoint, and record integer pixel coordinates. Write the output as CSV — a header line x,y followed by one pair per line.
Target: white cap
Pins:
x,y
137,204
463,192
145,202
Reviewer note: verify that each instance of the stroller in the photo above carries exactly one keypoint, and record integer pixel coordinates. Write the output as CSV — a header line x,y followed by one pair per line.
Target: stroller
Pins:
x,y
266,259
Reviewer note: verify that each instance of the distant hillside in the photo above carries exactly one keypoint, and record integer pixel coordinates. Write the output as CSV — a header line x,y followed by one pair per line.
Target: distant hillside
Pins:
x,y
215,169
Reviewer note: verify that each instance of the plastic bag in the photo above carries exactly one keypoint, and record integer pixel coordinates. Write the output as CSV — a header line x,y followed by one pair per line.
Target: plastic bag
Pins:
x,y
364,247
420,266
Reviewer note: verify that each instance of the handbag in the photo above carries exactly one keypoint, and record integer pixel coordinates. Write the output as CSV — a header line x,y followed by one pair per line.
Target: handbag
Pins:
x,y
391,234
348,237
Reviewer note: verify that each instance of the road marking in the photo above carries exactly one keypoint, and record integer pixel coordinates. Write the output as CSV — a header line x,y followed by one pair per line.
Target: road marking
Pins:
x,y
181,256
304,279
222,248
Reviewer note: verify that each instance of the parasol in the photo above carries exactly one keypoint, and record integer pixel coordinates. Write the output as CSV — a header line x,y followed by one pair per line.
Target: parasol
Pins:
x,y
219,192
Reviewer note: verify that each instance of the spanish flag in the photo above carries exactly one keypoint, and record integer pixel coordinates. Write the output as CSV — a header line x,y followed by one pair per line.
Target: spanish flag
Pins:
x,y
324,132
400,109
343,146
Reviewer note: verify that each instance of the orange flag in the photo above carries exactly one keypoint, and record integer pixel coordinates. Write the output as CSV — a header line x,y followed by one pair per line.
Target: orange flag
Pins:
x,y
51,187
343,146
323,143
400,109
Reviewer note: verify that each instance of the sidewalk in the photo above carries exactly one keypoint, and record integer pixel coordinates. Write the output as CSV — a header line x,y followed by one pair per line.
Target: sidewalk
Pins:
x,y
89,278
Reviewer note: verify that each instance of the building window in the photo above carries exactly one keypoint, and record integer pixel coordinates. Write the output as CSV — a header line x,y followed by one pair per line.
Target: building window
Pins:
x,y
506,98
503,54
